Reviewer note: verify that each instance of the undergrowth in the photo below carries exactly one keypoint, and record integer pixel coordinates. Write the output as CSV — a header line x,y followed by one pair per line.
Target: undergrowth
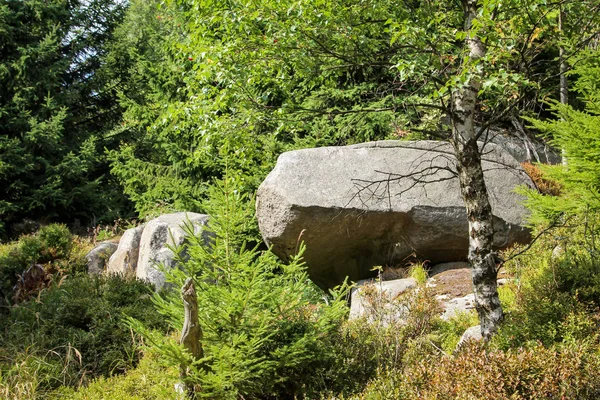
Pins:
x,y
72,332
271,334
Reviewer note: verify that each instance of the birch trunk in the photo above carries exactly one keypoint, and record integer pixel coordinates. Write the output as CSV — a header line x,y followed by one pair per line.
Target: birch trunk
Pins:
x,y
479,211
564,86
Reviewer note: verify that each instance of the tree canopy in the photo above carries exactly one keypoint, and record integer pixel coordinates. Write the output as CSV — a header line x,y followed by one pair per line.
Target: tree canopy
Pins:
x,y
169,88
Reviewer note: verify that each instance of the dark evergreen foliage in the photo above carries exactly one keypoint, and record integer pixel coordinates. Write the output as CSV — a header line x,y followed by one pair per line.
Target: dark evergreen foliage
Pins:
x,y
55,108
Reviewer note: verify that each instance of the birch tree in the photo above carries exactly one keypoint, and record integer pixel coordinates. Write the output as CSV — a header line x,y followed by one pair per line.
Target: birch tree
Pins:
x,y
472,184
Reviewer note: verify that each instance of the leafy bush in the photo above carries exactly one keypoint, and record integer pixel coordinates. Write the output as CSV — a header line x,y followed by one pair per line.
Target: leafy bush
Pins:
x,y
387,334
57,242
10,267
75,330
52,242
448,333
557,294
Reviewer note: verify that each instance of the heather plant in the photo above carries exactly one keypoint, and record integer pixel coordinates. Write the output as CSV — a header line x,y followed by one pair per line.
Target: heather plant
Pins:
x,y
567,372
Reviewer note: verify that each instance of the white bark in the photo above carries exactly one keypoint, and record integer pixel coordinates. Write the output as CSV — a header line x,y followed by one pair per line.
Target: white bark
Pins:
x,y
479,212
564,87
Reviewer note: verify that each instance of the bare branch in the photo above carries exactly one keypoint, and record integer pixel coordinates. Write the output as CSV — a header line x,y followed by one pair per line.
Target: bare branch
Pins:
x,y
553,225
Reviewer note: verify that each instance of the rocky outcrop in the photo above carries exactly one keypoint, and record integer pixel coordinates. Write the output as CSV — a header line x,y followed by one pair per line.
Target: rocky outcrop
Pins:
x,y
98,257
125,258
452,286
378,203
379,300
159,237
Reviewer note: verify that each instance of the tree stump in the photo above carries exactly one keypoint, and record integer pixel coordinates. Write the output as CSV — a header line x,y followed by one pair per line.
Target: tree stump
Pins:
x,y
191,334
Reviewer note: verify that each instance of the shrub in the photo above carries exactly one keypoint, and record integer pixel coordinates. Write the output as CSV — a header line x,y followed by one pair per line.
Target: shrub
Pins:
x,y
10,267
392,324
80,321
566,372
53,247
448,333
556,297
150,380
57,242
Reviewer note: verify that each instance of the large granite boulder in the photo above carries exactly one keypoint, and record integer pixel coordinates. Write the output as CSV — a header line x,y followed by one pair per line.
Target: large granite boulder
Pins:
x,y
378,203
159,236
124,260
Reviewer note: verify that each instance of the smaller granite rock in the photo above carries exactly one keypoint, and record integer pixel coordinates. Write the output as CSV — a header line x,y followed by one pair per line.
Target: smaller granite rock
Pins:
x,y
371,297
472,333
503,281
159,236
440,268
124,260
98,257
452,286
457,305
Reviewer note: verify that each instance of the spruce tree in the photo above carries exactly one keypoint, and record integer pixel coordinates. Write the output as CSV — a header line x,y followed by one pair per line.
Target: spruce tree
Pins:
x,y
54,107
266,330
577,132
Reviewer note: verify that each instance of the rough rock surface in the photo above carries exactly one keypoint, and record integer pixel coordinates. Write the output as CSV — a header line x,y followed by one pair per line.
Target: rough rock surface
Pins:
x,y
452,286
472,333
160,233
98,257
455,306
377,203
371,294
124,260
523,148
